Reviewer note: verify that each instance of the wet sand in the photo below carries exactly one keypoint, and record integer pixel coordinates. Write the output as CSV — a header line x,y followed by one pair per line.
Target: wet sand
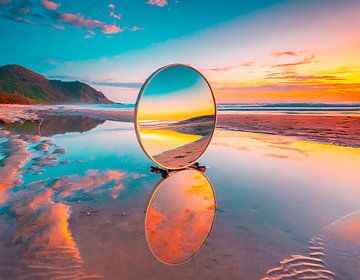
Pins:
x,y
88,223
112,115
181,156
336,130
13,113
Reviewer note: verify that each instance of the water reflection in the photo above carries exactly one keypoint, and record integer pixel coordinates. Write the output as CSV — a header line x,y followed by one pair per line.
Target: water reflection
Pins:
x,y
180,216
175,116
53,125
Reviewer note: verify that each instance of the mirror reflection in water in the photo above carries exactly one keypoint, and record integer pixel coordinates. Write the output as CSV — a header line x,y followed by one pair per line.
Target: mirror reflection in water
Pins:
x,y
180,216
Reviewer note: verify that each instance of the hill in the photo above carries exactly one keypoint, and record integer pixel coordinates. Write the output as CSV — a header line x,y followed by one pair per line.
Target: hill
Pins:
x,y
19,85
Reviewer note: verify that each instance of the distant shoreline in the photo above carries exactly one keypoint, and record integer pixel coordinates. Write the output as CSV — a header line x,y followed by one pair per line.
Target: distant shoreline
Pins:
x,y
334,129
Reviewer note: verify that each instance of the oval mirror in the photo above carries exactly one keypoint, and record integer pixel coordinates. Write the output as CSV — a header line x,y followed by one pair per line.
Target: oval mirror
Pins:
x,y
180,216
175,116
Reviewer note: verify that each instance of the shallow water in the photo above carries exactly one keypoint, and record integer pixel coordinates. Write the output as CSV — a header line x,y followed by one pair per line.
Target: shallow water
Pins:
x,y
80,212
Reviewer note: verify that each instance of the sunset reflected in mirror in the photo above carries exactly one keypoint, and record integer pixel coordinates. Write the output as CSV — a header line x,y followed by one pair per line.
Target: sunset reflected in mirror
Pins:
x,y
180,216
175,116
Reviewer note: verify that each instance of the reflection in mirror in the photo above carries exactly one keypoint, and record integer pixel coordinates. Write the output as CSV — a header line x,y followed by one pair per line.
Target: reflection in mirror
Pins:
x,y
175,116
180,216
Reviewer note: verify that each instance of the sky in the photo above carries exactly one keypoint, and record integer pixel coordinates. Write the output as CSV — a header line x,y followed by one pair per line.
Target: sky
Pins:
x,y
250,51
173,87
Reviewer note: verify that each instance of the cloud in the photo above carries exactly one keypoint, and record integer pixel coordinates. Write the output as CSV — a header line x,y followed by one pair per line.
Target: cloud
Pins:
x,y
306,60
19,8
277,87
21,11
284,53
135,28
60,27
19,19
159,3
111,29
276,155
112,12
49,5
131,85
78,20
296,77
227,68
118,84
117,16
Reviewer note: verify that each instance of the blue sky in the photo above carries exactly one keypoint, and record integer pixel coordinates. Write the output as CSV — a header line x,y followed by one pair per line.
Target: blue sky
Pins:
x,y
34,44
115,45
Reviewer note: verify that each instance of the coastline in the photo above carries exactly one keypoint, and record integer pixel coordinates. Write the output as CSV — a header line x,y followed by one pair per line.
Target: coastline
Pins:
x,y
342,130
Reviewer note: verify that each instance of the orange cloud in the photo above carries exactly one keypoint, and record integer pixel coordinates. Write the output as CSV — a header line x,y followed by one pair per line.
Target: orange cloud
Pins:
x,y
296,77
111,29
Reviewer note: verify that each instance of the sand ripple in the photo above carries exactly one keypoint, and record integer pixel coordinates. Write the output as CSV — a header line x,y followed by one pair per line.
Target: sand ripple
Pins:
x,y
333,254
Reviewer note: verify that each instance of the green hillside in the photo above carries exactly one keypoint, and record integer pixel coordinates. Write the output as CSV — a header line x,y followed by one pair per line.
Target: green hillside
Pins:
x,y
19,85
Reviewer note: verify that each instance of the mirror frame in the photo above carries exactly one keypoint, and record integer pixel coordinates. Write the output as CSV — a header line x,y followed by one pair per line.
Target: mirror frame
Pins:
x,y
154,191
138,100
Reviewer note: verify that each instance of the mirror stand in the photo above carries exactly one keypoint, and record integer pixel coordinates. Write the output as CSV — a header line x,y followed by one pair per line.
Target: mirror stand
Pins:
x,y
165,172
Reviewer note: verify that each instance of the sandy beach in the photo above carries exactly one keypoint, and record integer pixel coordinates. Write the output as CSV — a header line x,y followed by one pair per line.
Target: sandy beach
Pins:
x,y
343,130
337,130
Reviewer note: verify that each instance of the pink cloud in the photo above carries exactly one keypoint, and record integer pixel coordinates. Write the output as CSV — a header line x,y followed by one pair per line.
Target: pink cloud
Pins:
x,y
87,36
60,27
117,16
159,3
4,2
112,13
111,29
79,20
284,53
49,5
306,60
